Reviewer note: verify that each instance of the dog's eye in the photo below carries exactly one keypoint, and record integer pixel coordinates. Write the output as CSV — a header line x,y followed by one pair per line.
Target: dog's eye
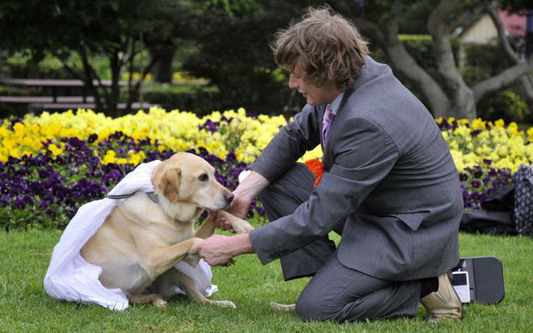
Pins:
x,y
203,177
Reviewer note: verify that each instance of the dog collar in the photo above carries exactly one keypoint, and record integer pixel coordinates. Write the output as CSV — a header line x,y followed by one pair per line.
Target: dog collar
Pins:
x,y
152,195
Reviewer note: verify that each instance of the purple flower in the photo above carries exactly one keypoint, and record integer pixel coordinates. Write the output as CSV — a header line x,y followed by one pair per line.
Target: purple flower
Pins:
x,y
92,138
260,211
231,157
19,203
45,173
151,156
112,177
14,121
203,151
74,143
221,179
476,183
236,172
43,204
145,142
475,195
210,126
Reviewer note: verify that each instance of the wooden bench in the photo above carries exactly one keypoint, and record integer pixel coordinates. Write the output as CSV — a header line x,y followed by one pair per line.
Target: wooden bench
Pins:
x,y
74,106
55,86
55,102
45,99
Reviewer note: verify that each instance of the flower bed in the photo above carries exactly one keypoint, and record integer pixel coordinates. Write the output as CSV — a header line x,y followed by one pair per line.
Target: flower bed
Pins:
x,y
52,164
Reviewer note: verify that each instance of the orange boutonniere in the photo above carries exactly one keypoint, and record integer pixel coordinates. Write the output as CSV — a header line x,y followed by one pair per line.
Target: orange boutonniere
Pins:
x,y
317,168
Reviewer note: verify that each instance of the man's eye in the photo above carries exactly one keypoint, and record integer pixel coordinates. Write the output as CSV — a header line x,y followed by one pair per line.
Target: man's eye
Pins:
x,y
203,177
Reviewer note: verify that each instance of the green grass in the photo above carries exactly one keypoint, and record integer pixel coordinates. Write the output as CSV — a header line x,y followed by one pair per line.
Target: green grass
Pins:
x,y
25,307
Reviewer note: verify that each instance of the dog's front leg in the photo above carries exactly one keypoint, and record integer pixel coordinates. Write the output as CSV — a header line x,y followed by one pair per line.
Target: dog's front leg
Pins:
x,y
187,284
162,259
207,228
239,225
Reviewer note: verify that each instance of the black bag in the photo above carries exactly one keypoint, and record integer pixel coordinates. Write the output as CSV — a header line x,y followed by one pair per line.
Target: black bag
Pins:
x,y
508,211
495,216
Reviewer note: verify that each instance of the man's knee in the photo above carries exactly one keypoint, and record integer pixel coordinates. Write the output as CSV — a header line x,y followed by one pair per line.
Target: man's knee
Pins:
x,y
312,309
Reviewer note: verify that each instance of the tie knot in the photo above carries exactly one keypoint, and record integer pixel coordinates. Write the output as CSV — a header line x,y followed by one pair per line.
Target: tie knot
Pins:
x,y
326,122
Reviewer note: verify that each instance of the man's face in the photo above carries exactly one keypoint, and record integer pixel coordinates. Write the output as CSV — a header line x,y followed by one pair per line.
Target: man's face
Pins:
x,y
314,94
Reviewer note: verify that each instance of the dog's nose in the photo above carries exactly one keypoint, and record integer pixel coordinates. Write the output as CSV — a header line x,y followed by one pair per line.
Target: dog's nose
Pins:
x,y
229,197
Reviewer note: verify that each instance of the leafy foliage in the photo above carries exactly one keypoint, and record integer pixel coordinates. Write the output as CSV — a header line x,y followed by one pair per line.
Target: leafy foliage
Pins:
x,y
116,29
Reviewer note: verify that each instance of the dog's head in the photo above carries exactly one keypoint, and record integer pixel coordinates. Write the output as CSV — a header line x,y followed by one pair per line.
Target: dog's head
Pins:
x,y
187,178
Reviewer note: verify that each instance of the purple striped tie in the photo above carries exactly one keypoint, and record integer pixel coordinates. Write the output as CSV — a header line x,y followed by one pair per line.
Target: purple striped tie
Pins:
x,y
326,123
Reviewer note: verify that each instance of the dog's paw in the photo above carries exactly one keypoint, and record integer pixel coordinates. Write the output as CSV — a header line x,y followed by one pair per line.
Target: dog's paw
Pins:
x,y
225,304
283,307
243,227
192,259
247,228
239,225
160,303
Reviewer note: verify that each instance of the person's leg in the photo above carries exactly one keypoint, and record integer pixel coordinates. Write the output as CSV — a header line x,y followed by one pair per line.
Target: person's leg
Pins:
x,y
342,294
282,198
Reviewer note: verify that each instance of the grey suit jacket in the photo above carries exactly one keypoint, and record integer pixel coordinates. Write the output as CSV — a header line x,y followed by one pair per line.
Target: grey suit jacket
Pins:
x,y
388,174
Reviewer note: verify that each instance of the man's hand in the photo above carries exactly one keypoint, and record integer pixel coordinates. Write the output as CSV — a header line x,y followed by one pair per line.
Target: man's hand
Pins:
x,y
239,208
219,250
250,187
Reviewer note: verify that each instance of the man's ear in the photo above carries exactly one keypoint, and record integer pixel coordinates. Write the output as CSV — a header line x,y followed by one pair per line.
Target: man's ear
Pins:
x,y
170,184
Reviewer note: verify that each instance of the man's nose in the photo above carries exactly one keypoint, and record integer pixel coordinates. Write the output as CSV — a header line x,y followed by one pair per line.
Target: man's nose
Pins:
x,y
293,82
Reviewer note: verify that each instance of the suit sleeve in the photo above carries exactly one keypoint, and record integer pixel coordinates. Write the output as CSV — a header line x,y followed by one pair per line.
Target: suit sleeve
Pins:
x,y
289,144
364,155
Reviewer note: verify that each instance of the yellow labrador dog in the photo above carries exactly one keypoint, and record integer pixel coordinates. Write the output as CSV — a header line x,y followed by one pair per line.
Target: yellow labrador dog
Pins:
x,y
141,240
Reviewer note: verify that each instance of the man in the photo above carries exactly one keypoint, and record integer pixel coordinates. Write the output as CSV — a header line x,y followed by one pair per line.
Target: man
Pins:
x,y
389,187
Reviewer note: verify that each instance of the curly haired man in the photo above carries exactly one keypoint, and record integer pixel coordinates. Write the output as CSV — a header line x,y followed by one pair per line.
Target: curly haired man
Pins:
x,y
389,187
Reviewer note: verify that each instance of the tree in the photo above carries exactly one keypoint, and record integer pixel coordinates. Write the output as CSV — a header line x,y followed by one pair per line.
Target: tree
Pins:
x,y
116,29
233,40
380,20
523,7
234,53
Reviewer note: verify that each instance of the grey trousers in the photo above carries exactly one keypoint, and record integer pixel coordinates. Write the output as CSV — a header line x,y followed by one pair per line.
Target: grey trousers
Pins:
x,y
336,292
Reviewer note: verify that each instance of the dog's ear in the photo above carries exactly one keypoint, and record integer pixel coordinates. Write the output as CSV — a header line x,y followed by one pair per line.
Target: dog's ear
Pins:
x,y
171,183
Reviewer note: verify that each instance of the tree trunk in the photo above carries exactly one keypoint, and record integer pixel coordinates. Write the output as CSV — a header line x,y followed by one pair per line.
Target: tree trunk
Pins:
x,y
89,78
456,98
525,85
387,37
437,102
1,63
525,90
440,25
112,102
503,79
162,70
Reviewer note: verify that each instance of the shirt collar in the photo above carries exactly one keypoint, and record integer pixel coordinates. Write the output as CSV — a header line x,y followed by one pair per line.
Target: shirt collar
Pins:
x,y
336,103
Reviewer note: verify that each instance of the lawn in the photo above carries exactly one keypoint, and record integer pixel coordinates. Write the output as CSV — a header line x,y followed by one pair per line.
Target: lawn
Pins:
x,y
25,307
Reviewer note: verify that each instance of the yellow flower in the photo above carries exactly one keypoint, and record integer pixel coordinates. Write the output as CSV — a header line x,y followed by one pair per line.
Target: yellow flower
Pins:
x,y
54,149
499,124
478,124
109,157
